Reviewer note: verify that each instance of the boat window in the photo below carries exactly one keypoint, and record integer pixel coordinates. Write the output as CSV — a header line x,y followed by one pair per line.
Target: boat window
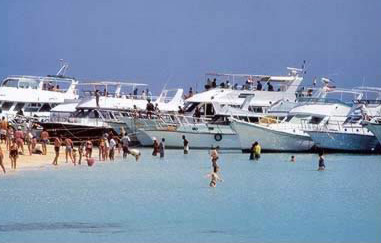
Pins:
x,y
45,107
209,110
93,114
299,118
316,120
80,113
288,118
11,83
189,107
33,107
256,109
6,106
244,95
253,119
106,114
19,106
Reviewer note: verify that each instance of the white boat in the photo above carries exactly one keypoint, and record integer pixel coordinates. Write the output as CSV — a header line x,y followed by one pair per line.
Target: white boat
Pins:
x,y
211,128
91,120
350,135
290,135
35,96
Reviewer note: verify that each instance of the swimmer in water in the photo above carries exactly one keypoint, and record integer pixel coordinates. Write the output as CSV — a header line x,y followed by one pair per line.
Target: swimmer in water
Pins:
x,y
292,158
214,178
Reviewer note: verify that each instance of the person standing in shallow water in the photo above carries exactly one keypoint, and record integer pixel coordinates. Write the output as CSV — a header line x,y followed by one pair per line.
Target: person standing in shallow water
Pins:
x,y
252,152
186,145
214,158
1,160
155,147
162,148
321,161
257,151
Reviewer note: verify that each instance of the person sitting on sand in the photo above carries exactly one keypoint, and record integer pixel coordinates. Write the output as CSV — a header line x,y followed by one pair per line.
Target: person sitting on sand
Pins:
x,y
13,154
1,160
57,146
321,161
136,153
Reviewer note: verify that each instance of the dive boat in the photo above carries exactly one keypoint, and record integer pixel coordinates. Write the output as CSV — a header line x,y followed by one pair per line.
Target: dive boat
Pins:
x,y
206,120
35,96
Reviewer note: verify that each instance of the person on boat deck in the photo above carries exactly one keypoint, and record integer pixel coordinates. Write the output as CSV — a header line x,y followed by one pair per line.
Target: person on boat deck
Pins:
x,y
105,93
135,92
155,147
190,92
227,84
208,84
181,110
162,147
197,113
235,86
321,161
257,150
150,108
259,85
144,95
186,145
270,87
214,83
97,95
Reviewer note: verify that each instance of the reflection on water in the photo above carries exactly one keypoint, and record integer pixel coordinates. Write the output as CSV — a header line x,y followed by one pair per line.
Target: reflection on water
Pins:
x,y
82,227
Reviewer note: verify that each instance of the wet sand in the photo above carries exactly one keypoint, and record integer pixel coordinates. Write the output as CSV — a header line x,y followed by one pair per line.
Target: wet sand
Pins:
x,y
27,162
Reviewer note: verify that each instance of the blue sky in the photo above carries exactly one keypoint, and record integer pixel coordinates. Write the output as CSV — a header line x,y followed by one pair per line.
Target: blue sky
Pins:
x,y
177,42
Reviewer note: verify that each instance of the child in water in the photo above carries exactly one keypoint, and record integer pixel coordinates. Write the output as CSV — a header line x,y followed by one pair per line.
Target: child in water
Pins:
x,y
321,161
214,178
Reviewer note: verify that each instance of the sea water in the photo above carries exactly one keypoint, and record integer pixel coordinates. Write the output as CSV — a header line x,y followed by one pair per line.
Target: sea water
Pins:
x,y
164,200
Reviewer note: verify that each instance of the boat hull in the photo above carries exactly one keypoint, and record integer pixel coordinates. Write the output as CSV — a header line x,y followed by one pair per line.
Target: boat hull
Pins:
x,y
375,129
269,139
77,132
173,139
340,141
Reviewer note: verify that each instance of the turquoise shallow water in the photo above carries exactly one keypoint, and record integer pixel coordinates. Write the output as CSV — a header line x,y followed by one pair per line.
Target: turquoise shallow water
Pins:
x,y
169,200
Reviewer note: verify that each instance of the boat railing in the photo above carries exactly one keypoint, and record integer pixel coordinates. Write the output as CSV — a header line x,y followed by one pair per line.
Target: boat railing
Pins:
x,y
336,126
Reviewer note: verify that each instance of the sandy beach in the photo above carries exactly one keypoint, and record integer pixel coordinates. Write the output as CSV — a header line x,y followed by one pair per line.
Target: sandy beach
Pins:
x,y
26,161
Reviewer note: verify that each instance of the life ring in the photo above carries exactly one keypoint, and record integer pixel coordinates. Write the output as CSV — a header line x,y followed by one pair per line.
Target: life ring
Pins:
x,y
218,137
